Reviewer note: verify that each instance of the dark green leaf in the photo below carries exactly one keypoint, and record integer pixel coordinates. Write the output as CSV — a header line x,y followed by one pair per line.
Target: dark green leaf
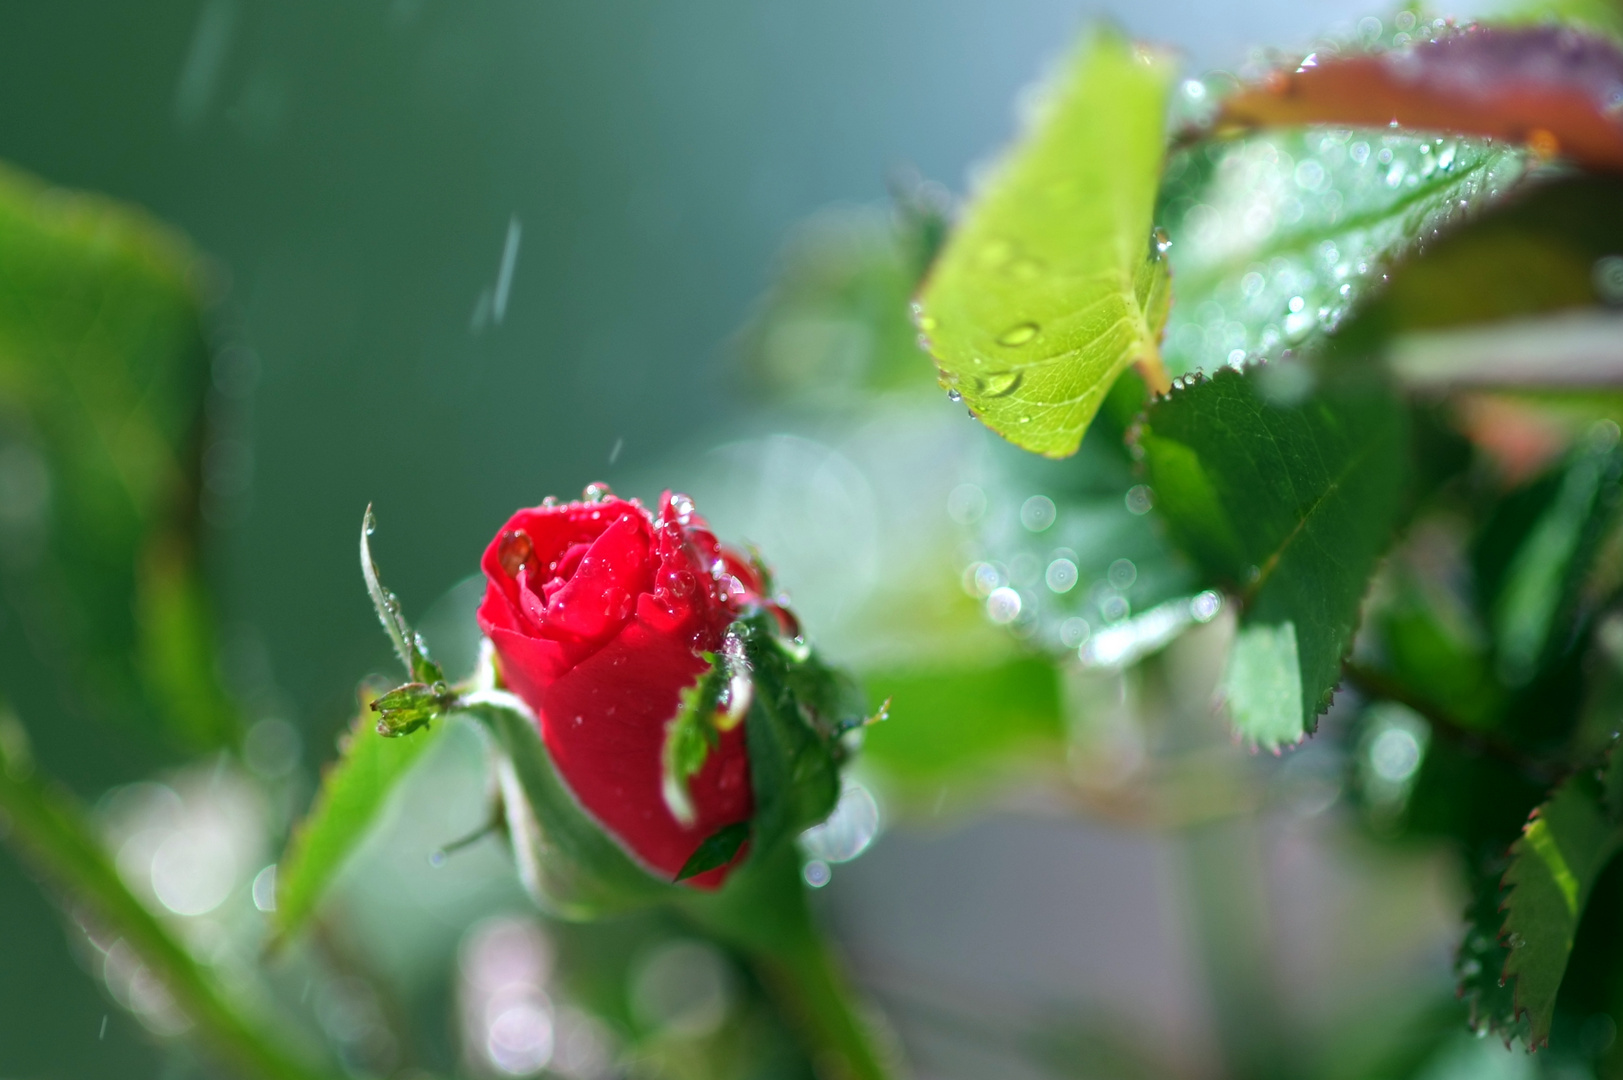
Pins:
x,y
103,373
1289,503
1536,551
1553,868
408,645
715,850
1480,963
354,791
1277,237
1052,285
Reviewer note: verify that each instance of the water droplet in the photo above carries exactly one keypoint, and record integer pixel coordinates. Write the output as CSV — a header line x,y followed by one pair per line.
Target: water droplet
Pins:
x,y
1074,632
1140,499
1061,576
549,502
1114,608
817,873
1123,573
514,551
1205,606
954,396
1160,241
1607,277
1037,513
682,507
1002,384
1017,335
437,858
1003,605
596,493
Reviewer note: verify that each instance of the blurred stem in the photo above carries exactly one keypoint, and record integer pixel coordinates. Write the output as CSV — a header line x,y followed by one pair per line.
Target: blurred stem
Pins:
x,y
48,829
1228,912
764,914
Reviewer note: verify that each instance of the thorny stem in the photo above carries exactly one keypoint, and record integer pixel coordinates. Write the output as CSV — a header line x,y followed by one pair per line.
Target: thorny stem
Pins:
x,y
1375,684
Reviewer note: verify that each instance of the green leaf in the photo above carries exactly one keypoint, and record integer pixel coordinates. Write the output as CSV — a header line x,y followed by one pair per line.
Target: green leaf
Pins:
x,y
1277,237
408,644
354,791
1480,962
49,829
959,725
1290,502
103,374
715,850
1553,867
1052,285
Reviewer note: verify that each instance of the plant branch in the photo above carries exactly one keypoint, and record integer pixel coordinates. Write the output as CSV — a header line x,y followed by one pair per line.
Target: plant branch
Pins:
x,y
1375,684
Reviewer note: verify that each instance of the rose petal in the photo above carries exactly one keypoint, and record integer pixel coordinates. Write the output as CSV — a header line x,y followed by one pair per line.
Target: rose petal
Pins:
x,y
598,596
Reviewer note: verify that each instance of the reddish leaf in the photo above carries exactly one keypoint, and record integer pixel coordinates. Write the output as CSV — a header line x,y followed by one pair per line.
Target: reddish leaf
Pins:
x,y
1558,90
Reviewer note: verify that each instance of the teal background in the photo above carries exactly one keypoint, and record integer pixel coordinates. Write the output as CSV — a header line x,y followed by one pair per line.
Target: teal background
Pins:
x,y
353,166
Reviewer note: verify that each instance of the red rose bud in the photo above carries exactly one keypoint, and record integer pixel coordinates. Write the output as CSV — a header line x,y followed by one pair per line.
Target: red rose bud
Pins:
x,y
600,614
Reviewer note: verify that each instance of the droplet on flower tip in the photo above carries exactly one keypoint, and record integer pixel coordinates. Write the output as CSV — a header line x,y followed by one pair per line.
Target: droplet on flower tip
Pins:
x,y
596,493
549,502
683,508
514,551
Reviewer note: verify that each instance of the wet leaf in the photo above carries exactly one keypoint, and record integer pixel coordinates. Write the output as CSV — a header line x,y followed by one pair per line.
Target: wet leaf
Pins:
x,y
1052,284
1553,868
103,373
1278,236
354,792
407,708
1289,502
1554,88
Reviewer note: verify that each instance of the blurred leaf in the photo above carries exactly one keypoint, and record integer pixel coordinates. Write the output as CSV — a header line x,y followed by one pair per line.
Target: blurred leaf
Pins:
x,y
49,829
1278,236
836,321
1553,868
1535,552
1290,505
103,370
1480,962
690,737
958,725
1052,285
354,790
715,850
1550,86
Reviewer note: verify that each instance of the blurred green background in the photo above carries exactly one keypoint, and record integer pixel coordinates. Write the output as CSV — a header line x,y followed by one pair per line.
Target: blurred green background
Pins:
x,y
362,171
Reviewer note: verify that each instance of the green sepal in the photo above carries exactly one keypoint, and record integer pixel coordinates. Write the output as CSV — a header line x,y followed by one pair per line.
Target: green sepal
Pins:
x,y
715,850
408,644
415,705
691,735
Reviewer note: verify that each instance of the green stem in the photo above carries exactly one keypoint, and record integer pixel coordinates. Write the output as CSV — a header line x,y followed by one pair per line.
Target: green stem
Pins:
x,y
48,829
764,914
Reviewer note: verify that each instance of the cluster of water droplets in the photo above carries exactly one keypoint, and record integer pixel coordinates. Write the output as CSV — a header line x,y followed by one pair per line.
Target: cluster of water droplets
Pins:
x,y
1280,234
1085,577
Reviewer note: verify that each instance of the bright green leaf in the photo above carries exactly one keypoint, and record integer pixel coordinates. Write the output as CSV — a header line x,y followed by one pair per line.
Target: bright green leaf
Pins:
x,y
690,737
354,792
1553,867
1302,495
1278,236
1052,284
103,373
